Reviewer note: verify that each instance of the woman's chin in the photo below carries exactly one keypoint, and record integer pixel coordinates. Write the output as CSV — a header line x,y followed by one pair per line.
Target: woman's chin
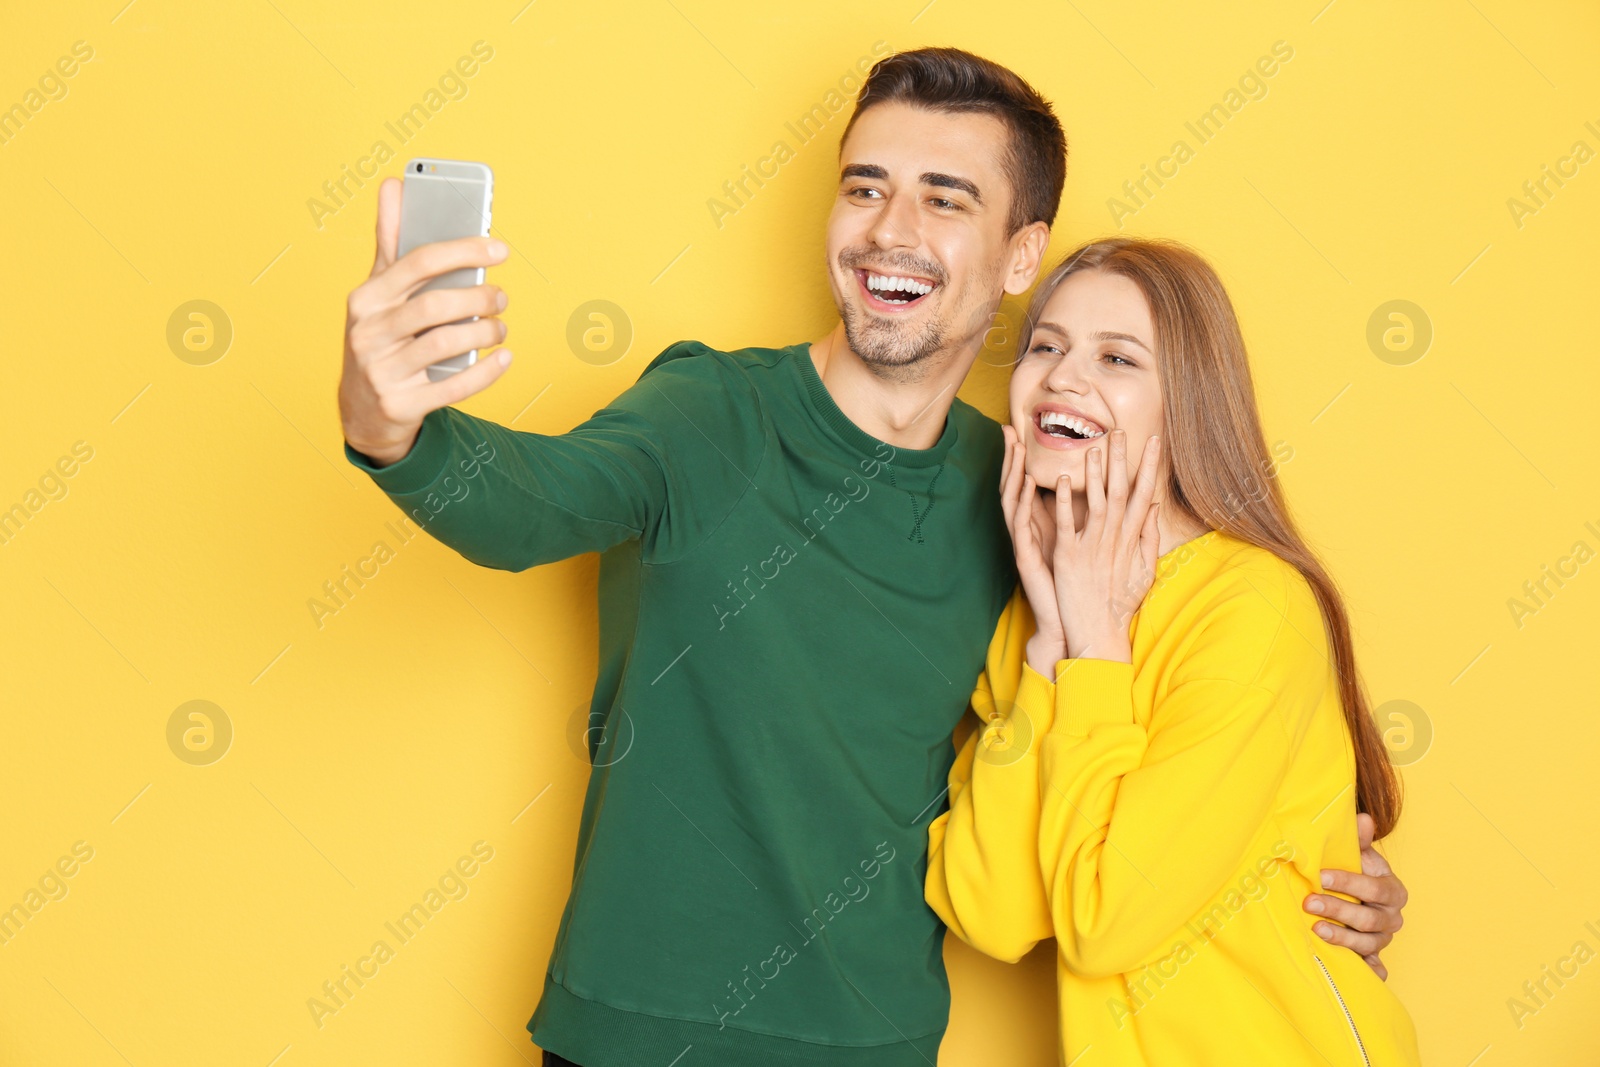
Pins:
x,y
1046,471
1043,475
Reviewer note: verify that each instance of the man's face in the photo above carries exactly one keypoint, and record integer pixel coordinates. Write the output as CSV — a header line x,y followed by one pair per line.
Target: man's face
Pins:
x,y
917,250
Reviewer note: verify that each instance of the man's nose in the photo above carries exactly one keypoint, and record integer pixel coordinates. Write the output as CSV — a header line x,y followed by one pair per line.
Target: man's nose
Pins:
x,y
896,223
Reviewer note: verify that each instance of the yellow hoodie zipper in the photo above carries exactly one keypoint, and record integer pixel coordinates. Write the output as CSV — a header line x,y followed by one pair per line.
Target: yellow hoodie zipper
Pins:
x,y
1345,1008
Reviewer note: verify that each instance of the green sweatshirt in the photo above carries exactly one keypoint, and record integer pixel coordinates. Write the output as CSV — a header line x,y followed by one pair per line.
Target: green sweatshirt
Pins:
x,y
792,616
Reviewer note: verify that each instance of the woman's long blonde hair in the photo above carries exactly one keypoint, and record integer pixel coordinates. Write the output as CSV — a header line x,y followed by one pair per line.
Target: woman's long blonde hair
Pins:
x,y
1221,471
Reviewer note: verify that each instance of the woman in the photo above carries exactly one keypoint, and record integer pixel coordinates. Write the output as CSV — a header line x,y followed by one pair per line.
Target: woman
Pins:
x,y
1175,741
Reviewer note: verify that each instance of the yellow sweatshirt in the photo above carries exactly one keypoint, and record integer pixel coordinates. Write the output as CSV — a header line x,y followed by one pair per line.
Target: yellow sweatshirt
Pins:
x,y
1164,820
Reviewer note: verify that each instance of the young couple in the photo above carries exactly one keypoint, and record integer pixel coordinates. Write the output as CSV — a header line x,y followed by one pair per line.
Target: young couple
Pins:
x,y
807,555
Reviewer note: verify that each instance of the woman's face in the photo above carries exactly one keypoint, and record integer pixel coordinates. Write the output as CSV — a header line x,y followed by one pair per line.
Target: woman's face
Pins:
x,y
1090,368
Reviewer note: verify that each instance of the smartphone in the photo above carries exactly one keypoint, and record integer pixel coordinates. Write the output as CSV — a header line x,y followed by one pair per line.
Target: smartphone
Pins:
x,y
444,199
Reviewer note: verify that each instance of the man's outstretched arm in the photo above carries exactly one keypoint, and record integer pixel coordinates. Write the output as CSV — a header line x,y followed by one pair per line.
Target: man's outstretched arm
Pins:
x,y
384,392
507,498
1367,926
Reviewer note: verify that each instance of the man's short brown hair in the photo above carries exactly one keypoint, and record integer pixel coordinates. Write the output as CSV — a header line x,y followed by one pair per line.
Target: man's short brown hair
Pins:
x,y
950,80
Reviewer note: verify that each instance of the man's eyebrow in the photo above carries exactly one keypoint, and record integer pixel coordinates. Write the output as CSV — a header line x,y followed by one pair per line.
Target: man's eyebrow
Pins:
x,y
950,181
1102,335
944,181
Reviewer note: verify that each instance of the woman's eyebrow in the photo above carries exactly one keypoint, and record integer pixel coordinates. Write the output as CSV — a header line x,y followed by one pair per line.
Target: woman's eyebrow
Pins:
x,y
1109,335
1102,335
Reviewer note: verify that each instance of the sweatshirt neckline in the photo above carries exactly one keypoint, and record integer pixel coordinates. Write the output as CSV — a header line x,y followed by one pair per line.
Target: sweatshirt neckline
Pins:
x,y
853,436
1190,545
1171,564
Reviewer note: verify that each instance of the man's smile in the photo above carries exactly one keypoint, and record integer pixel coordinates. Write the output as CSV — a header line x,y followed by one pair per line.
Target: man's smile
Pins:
x,y
892,293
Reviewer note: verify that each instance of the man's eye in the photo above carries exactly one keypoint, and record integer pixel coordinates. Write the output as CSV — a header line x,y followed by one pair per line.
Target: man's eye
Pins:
x,y
941,202
864,191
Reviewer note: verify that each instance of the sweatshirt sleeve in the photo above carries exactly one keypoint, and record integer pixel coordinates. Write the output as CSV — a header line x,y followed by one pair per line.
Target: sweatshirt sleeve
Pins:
x,y
983,864
1141,826
513,499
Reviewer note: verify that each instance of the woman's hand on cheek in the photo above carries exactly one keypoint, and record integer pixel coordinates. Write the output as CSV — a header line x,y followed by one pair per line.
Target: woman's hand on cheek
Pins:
x,y
1103,571
1019,500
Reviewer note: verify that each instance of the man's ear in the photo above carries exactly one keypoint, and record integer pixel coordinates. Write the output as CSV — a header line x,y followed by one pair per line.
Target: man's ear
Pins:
x,y
1027,256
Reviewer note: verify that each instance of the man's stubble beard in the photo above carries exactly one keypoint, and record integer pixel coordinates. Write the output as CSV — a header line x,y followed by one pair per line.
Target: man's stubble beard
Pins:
x,y
893,350
898,351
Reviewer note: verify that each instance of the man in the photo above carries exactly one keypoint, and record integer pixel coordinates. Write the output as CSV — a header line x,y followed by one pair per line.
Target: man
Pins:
x,y
802,562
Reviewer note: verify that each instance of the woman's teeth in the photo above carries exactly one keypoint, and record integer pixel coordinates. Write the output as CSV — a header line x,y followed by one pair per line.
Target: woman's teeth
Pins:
x,y
881,285
1054,422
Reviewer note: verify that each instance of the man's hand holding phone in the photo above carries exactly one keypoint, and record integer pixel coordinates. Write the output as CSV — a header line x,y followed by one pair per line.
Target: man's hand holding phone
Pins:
x,y
384,390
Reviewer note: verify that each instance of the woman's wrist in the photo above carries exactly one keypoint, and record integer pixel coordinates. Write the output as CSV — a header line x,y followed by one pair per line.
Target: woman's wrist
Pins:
x,y
1107,646
1044,651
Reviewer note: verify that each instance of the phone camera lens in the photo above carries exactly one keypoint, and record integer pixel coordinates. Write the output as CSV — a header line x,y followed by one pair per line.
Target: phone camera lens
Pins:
x,y
419,168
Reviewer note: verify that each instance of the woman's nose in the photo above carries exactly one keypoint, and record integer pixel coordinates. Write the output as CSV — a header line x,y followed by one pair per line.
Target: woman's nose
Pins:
x,y
1067,376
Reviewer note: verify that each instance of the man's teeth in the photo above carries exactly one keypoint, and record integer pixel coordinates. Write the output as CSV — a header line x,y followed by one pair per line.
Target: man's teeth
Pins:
x,y
913,289
1055,420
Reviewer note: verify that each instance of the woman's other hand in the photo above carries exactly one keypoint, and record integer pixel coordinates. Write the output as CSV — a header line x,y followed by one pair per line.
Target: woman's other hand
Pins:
x,y
1103,571
1032,528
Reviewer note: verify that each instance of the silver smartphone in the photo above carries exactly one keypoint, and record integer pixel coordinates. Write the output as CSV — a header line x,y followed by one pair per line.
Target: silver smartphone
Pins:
x,y
444,199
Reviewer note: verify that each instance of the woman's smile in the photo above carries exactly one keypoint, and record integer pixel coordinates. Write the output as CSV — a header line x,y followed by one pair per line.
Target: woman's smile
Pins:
x,y
1061,427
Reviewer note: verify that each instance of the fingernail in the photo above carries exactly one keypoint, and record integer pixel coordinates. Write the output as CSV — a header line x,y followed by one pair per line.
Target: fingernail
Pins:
x,y
1327,879
1314,905
504,357
497,250
501,300
1324,930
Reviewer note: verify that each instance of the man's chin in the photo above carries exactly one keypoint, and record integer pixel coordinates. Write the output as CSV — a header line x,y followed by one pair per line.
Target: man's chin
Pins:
x,y
885,341
886,352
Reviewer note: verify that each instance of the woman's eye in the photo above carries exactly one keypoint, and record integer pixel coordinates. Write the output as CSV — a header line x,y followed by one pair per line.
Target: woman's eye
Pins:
x,y
1045,346
1119,359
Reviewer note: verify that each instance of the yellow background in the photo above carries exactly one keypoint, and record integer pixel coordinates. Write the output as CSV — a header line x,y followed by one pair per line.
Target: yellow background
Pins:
x,y
437,706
